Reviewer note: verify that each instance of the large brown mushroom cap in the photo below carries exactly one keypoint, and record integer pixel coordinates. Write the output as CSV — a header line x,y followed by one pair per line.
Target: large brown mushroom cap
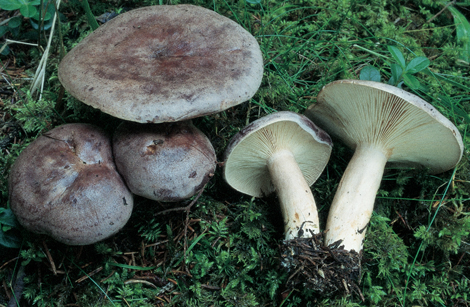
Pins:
x,y
65,184
164,162
164,63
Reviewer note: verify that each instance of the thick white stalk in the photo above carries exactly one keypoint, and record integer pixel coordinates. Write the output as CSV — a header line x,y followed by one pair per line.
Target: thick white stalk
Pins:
x,y
354,200
297,204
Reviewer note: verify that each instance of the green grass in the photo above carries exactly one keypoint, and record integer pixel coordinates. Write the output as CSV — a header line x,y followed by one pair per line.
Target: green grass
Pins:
x,y
417,246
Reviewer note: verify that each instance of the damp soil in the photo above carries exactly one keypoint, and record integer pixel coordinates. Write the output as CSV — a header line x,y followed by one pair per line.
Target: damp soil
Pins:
x,y
327,270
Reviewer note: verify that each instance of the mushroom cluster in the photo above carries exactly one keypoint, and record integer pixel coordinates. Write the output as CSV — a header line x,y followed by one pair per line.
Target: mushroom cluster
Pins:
x,y
285,153
163,65
157,68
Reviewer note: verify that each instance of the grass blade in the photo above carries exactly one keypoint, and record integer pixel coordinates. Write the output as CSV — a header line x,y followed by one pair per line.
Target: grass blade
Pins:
x,y
132,267
463,33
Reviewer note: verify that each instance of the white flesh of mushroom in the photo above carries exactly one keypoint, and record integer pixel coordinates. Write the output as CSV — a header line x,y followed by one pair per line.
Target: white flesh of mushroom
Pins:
x,y
297,204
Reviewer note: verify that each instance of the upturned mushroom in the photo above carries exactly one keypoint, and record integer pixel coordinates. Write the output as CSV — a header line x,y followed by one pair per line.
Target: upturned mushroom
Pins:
x,y
381,123
282,152
163,162
65,184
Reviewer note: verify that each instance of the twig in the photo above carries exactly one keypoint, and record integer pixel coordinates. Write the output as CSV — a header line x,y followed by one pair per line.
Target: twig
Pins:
x,y
49,257
441,11
88,275
187,208
11,260
210,287
155,244
139,281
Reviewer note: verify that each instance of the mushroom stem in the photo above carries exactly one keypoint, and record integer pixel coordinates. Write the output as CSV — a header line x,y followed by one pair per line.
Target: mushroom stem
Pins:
x,y
353,203
297,204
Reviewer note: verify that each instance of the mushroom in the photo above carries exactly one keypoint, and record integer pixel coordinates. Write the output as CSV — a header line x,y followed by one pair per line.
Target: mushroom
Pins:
x,y
381,123
161,64
164,63
283,152
65,184
164,162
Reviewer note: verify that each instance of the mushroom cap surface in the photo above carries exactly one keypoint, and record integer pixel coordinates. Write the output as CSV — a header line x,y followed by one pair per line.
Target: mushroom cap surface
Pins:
x,y
165,162
406,128
164,63
65,184
246,156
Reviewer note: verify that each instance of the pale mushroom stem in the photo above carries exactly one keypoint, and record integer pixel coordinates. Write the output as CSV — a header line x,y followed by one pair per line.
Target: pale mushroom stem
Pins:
x,y
297,204
353,203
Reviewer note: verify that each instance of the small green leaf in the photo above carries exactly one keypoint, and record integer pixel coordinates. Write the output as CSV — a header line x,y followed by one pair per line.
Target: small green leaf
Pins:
x,y
411,81
4,49
9,240
15,22
417,64
10,5
370,73
397,55
46,25
3,30
28,10
47,12
8,218
397,71
32,2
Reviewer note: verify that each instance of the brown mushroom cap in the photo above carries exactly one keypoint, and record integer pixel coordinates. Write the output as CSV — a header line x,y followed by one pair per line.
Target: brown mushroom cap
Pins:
x,y
65,184
164,63
164,162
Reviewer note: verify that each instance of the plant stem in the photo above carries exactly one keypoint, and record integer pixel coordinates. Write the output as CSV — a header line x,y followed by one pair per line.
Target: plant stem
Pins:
x,y
91,19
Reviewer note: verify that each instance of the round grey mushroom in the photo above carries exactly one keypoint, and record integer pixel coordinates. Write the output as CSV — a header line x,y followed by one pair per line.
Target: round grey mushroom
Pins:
x,y
381,123
282,152
65,184
164,162
164,63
